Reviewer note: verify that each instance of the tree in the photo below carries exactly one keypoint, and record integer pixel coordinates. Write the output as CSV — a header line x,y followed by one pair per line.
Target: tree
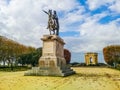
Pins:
x,y
31,58
67,56
112,55
11,50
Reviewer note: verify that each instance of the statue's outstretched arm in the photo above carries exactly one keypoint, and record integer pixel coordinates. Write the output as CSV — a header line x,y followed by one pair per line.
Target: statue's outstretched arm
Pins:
x,y
45,11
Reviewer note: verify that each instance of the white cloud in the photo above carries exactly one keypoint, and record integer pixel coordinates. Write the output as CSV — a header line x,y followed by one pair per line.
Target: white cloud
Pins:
x,y
116,6
71,18
94,4
112,4
3,2
94,36
25,21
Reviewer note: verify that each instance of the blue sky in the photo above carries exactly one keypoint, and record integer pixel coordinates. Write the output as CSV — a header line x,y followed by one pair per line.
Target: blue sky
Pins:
x,y
85,25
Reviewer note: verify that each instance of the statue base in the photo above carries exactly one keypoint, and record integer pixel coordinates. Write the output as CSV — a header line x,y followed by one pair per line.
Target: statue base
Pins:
x,y
52,61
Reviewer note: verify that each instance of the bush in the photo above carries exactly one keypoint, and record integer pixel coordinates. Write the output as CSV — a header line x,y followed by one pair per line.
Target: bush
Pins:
x,y
67,56
112,54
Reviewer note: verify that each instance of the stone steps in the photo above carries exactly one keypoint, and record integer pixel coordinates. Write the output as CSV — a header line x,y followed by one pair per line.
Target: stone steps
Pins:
x,y
37,71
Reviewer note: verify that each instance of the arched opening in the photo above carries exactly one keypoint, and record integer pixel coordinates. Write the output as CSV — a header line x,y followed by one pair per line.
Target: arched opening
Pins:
x,y
90,60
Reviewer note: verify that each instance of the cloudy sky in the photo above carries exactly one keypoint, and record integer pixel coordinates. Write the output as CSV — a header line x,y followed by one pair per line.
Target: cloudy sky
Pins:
x,y
85,25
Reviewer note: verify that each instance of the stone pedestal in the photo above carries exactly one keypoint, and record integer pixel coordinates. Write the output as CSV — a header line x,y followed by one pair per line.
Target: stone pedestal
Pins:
x,y
52,61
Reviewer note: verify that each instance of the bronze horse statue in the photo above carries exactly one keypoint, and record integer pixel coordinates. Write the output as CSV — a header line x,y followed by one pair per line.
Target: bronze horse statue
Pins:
x,y
53,24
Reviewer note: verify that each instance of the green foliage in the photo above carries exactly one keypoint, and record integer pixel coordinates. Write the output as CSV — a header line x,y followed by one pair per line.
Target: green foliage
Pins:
x,y
112,54
30,58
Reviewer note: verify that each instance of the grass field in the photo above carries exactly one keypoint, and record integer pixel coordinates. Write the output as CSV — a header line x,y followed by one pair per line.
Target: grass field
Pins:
x,y
90,78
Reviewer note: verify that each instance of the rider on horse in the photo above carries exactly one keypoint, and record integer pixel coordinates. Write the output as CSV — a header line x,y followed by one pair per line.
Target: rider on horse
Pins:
x,y
53,24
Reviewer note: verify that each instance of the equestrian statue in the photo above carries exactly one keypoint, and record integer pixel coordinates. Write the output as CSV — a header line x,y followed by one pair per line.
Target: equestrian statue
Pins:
x,y
53,23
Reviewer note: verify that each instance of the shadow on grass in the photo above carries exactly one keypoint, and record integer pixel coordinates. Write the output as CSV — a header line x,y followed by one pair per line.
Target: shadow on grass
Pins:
x,y
14,69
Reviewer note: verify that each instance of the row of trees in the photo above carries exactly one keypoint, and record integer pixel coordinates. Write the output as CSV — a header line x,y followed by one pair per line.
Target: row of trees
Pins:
x,y
10,50
112,55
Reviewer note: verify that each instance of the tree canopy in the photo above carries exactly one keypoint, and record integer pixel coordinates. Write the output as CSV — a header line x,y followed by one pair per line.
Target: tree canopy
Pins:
x,y
11,50
67,56
112,54
31,58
